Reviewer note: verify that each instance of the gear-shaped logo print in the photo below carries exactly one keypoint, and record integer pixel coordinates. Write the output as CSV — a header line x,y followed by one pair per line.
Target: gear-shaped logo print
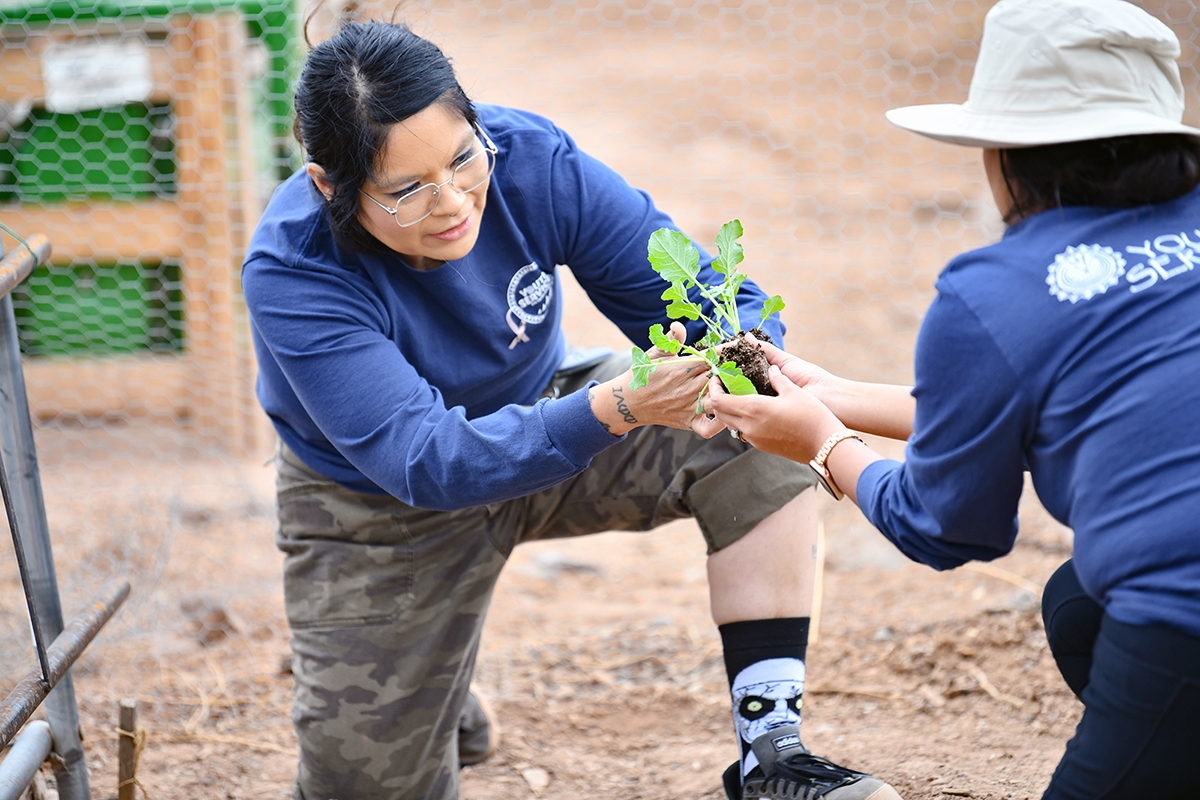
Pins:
x,y
1081,273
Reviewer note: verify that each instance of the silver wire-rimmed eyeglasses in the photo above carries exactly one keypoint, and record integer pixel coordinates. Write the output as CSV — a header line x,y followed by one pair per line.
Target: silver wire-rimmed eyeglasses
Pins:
x,y
469,174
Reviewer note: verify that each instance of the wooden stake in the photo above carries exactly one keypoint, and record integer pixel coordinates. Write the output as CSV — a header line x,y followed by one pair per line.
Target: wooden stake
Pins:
x,y
38,789
1005,575
127,751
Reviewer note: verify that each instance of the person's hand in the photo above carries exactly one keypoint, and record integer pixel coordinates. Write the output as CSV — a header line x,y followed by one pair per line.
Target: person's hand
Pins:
x,y
794,424
669,397
879,408
676,332
703,424
820,382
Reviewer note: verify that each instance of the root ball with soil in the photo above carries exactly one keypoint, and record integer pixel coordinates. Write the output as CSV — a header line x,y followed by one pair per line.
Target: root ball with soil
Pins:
x,y
750,358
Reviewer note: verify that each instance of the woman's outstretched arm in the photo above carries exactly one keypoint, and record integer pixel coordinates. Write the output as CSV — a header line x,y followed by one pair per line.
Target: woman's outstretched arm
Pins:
x,y
880,409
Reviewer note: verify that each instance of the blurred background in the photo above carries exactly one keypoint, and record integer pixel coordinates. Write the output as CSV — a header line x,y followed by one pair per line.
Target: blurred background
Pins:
x,y
144,137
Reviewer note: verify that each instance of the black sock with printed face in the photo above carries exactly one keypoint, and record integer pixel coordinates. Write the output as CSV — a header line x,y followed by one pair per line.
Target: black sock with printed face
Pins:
x,y
764,661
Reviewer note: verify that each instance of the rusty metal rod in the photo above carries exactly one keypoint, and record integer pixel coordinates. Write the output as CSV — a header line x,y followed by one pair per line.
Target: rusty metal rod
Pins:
x,y
14,268
18,264
39,638
24,699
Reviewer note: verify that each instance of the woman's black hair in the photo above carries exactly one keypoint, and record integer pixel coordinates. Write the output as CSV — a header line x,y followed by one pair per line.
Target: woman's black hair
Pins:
x,y
1119,172
353,88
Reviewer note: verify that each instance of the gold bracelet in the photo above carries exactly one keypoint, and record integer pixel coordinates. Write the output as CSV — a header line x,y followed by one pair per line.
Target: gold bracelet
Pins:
x,y
818,462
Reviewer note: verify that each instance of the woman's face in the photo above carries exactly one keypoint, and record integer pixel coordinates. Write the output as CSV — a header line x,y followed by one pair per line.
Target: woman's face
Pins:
x,y
425,148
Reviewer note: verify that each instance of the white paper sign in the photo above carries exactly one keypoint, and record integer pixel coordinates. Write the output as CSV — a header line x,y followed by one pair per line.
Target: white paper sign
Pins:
x,y
95,74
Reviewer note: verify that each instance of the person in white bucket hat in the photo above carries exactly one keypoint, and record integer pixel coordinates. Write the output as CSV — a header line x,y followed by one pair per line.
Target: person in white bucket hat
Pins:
x,y
1052,72
1069,349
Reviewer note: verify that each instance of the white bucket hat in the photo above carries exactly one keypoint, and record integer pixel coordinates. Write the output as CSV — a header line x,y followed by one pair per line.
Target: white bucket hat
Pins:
x,y
1052,71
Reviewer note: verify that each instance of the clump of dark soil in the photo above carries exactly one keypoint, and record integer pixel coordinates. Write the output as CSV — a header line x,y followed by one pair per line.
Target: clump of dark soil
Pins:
x,y
751,359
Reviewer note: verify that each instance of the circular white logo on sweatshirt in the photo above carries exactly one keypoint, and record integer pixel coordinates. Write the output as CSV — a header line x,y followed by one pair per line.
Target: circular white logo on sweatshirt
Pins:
x,y
529,294
1081,273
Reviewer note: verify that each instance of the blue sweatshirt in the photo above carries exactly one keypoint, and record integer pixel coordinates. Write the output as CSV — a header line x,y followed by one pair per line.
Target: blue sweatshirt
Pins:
x,y
415,383
1070,348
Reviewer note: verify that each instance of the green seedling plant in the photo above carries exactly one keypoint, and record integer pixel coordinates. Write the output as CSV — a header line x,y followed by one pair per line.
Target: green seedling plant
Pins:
x,y
677,260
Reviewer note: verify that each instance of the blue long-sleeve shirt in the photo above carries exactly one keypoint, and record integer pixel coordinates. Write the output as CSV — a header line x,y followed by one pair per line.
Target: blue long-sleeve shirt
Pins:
x,y
391,380
1071,348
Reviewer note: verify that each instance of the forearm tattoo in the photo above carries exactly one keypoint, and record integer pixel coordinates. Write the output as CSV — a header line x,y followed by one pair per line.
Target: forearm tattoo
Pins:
x,y
623,407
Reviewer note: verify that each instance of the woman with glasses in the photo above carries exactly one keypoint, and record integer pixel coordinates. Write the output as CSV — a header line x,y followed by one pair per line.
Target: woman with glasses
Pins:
x,y
1071,349
406,315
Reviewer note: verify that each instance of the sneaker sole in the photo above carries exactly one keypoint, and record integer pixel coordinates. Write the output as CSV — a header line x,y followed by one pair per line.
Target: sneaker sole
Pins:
x,y
885,792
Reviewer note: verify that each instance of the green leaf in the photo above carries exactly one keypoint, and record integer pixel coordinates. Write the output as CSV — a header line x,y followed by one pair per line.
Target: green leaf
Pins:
x,y
680,305
677,293
735,382
681,310
711,338
642,367
774,303
673,256
729,252
662,341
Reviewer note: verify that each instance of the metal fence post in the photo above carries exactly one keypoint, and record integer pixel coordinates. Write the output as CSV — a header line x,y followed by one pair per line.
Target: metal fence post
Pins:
x,y
24,760
29,509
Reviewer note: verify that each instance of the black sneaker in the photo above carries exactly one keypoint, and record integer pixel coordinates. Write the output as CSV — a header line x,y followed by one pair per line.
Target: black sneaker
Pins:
x,y
478,733
787,771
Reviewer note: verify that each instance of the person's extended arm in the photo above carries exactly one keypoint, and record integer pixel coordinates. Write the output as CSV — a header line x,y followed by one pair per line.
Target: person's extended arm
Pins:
x,y
814,404
340,388
954,498
794,425
877,408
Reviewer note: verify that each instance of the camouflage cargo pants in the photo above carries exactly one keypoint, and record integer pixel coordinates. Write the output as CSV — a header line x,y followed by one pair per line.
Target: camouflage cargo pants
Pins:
x,y
386,602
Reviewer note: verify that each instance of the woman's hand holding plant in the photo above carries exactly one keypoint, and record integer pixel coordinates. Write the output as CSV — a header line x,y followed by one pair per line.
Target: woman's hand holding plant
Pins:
x,y
793,424
805,374
668,397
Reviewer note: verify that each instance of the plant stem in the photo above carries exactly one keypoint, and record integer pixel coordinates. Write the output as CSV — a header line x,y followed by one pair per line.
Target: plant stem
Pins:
x,y
720,308
711,324
696,356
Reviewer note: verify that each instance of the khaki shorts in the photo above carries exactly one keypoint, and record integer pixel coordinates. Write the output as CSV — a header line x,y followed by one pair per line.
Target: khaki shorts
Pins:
x,y
386,601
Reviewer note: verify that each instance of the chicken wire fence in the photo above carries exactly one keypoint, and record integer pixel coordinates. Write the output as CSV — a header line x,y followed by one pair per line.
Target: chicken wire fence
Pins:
x,y
144,139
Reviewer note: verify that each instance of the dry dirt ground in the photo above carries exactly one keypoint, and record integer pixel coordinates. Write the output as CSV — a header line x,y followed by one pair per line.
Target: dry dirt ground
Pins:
x,y
599,656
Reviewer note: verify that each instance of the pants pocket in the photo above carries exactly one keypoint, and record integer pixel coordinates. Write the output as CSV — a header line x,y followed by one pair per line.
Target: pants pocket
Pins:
x,y
331,583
